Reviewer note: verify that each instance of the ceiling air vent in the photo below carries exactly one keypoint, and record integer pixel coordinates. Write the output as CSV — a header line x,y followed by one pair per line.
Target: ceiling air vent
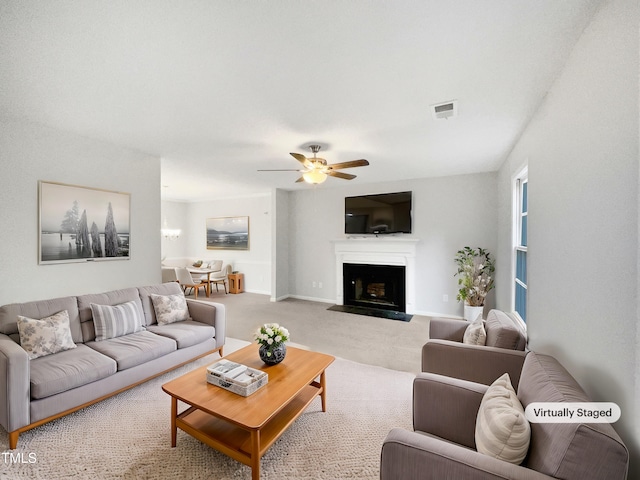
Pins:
x,y
445,110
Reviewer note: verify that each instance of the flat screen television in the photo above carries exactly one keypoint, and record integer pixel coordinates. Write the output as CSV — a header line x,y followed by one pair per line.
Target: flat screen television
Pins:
x,y
382,213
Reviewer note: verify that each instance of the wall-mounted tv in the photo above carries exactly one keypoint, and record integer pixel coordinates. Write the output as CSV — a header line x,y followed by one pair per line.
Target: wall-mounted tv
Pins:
x,y
382,213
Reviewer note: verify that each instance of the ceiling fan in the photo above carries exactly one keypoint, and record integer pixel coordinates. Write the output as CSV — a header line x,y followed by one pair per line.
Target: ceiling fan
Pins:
x,y
316,169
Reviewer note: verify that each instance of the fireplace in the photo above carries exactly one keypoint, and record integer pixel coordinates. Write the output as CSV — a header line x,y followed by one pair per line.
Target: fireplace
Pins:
x,y
374,286
384,251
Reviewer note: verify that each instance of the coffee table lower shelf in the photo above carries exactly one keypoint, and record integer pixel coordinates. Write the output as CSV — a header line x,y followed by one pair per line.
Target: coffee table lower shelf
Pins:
x,y
240,443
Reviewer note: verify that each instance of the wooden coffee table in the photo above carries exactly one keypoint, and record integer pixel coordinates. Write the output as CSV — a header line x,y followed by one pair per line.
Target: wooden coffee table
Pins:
x,y
245,427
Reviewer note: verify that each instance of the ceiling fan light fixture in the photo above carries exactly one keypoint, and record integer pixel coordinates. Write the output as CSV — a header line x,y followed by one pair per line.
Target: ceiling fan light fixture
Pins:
x,y
316,170
314,176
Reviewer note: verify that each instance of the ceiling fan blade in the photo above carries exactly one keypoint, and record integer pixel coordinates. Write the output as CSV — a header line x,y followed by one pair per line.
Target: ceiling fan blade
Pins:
x,y
301,179
353,163
345,176
302,159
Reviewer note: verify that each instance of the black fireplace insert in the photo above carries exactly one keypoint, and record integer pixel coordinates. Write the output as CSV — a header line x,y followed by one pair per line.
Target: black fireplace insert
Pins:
x,y
375,286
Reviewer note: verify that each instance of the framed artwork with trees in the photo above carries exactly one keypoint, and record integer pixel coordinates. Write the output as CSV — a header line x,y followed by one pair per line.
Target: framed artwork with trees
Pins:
x,y
82,224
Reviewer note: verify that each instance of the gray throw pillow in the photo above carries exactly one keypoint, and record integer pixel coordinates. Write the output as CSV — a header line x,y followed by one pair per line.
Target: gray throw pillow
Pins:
x,y
45,336
170,308
117,320
475,333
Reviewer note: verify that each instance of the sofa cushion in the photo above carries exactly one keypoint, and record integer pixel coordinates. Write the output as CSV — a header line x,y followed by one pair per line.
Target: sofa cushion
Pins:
x,y
475,333
502,332
115,321
170,308
41,337
69,369
567,450
502,430
40,309
185,333
135,348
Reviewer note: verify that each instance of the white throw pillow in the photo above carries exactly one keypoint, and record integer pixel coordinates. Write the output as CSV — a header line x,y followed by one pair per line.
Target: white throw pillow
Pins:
x,y
170,308
117,320
502,430
45,336
475,334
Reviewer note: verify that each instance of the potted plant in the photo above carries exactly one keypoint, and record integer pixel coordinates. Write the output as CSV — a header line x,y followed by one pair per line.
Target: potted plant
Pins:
x,y
272,337
475,271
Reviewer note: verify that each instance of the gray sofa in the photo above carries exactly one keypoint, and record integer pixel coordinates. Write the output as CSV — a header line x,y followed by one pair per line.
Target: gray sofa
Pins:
x,y
443,443
45,388
445,354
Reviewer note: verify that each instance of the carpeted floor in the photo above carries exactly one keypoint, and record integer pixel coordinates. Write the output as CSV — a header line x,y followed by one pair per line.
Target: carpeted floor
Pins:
x,y
387,343
128,436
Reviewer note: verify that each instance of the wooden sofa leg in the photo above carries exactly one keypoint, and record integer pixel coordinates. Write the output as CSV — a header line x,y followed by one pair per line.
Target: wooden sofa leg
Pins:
x,y
13,440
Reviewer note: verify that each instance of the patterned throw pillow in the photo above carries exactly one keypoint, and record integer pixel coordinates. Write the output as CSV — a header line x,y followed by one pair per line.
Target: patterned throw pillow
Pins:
x,y
502,430
45,336
116,321
170,308
475,333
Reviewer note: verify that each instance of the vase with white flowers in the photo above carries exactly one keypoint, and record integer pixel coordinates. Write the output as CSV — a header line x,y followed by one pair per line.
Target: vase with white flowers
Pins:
x,y
475,271
272,337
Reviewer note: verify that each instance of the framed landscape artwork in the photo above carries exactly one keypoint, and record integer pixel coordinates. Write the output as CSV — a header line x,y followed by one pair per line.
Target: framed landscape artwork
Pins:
x,y
82,224
228,233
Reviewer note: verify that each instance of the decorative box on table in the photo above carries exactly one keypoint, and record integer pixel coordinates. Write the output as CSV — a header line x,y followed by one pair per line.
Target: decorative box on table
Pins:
x,y
235,377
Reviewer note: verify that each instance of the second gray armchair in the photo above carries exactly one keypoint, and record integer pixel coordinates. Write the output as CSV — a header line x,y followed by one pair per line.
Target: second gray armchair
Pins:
x,y
505,347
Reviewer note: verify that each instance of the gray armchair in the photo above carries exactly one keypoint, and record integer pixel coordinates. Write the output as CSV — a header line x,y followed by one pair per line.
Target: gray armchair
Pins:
x,y
442,445
505,349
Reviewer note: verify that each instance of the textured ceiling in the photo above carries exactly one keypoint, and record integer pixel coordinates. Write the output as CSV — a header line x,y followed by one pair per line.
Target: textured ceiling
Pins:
x,y
220,89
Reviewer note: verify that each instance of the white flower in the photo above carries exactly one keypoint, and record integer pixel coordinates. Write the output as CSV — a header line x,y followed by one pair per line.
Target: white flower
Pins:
x,y
271,334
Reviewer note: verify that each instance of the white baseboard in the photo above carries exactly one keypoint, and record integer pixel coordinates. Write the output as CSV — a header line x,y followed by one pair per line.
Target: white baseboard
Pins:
x,y
436,314
260,292
313,299
279,299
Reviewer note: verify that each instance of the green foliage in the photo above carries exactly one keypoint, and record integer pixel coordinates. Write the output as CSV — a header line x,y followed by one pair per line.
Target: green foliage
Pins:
x,y
475,270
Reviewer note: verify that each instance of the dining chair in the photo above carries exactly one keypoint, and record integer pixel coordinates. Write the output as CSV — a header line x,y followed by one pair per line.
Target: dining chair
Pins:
x,y
222,277
186,281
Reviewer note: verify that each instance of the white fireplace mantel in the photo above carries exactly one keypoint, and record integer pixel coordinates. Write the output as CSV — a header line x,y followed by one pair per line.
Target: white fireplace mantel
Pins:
x,y
378,251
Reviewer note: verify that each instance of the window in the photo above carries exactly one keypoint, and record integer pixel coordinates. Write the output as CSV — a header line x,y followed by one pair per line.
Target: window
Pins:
x,y
521,187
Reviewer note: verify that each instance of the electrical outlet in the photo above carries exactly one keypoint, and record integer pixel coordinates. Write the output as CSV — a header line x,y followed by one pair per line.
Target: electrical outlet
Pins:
x,y
313,284
445,298
319,284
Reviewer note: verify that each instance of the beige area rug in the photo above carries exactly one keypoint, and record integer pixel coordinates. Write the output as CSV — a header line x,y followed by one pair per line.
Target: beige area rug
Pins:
x,y
128,436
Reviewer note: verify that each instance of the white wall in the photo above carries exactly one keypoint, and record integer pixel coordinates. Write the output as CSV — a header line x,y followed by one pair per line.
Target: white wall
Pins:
x,y
31,152
176,216
582,151
448,214
254,263
280,245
